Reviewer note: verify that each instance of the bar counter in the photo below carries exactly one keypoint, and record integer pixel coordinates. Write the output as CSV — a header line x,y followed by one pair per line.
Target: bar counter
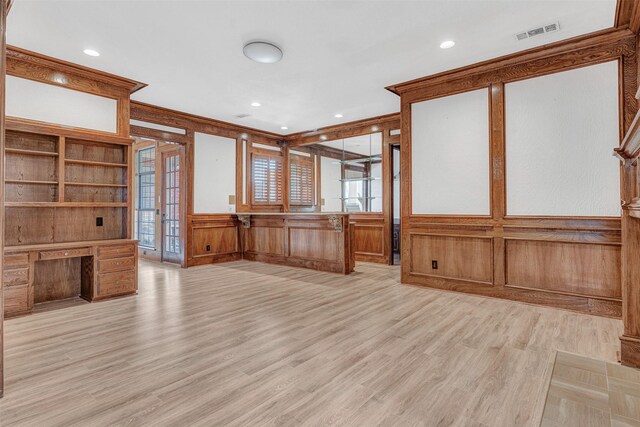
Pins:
x,y
320,241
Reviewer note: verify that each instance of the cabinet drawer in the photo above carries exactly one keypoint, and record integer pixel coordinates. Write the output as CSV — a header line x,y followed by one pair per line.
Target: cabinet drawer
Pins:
x,y
116,264
118,251
111,284
16,260
16,276
16,301
65,253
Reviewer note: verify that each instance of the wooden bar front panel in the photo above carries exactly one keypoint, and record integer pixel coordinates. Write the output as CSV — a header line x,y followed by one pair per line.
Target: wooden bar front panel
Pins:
x,y
212,238
310,241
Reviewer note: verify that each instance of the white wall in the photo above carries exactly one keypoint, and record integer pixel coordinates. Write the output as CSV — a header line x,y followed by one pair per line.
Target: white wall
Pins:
x,y
330,185
450,155
214,174
560,133
54,104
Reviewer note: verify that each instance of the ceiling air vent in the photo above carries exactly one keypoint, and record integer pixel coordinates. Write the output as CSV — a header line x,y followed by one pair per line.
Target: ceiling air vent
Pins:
x,y
549,28
242,116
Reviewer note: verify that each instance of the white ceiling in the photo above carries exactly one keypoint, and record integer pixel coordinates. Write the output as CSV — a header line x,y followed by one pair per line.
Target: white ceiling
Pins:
x,y
338,55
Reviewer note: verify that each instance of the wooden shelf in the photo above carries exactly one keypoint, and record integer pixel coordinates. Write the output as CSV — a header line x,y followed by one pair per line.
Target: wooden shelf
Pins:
x,y
94,184
95,163
64,205
27,181
59,182
30,152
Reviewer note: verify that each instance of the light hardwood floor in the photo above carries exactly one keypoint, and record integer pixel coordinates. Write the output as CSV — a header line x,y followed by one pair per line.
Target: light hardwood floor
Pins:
x,y
253,344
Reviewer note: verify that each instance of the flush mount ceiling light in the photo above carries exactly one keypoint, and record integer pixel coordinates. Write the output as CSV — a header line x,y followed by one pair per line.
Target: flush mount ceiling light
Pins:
x,y
91,52
338,116
262,52
284,128
255,104
447,44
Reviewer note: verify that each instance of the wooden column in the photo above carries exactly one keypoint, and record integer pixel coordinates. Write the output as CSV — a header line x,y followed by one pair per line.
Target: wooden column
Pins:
x,y
498,184
4,9
629,151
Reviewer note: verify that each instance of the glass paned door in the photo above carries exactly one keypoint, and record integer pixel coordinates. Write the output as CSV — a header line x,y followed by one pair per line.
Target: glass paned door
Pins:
x,y
171,232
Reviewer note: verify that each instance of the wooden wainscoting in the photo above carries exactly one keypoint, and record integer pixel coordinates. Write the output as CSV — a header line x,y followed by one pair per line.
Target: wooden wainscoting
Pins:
x,y
585,269
574,264
372,239
213,238
467,258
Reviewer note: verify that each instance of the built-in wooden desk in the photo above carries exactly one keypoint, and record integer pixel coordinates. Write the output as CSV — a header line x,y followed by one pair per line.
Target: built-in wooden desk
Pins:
x,y
321,241
94,270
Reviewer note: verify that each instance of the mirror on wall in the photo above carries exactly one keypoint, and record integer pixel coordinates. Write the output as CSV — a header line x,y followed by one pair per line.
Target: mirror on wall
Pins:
x,y
350,175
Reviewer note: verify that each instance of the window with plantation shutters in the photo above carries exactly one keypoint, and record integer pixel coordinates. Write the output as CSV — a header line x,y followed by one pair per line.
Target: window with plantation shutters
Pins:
x,y
301,181
266,172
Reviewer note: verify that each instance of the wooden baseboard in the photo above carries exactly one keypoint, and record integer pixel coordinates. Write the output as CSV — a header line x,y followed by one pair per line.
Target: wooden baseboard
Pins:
x,y
379,259
213,259
630,351
320,265
587,305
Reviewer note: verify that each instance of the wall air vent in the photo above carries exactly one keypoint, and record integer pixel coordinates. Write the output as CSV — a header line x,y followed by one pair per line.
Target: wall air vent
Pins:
x,y
549,28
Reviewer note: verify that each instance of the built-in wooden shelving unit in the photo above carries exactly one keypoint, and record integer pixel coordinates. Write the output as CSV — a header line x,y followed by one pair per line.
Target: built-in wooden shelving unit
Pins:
x,y
67,225
54,179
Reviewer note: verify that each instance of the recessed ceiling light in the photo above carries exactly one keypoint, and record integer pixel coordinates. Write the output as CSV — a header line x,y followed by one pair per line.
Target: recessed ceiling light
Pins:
x,y
255,104
338,116
447,44
91,52
284,127
262,52
323,137
374,128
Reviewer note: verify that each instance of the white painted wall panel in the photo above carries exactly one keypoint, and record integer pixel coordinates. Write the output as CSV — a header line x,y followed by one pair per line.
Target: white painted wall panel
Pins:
x,y
28,99
214,174
561,130
450,155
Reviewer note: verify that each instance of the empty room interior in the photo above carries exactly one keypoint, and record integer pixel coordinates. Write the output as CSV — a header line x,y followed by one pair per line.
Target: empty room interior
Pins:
x,y
320,212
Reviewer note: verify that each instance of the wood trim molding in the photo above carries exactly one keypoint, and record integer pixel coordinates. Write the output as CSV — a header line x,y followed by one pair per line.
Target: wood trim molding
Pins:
x,y
46,69
158,135
628,15
34,126
165,116
592,48
345,130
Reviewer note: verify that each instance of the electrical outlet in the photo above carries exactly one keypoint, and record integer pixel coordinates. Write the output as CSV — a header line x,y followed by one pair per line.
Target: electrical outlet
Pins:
x,y
208,248
99,221
434,264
